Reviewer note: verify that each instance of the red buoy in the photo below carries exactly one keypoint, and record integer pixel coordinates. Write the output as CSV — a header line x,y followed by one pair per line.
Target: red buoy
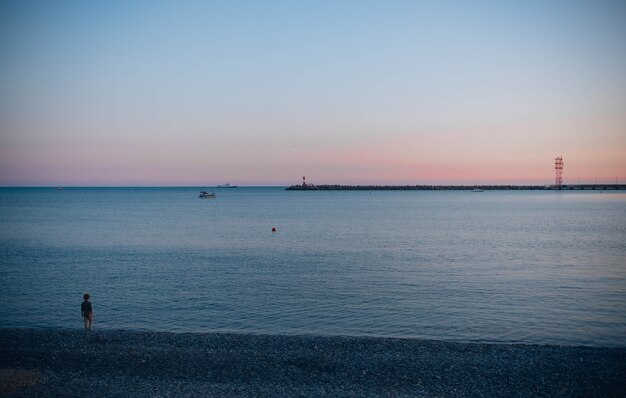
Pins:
x,y
273,229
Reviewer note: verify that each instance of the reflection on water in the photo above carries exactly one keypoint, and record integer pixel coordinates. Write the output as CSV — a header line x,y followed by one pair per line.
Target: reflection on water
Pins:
x,y
534,267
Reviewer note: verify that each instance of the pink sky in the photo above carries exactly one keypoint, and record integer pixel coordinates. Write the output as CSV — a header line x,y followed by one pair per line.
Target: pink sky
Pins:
x,y
262,94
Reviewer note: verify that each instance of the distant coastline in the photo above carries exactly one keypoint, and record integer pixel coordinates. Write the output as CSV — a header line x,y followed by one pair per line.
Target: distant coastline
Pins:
x,y
580,187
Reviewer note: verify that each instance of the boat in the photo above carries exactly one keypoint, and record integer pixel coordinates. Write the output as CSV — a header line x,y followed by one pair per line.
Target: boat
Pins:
x,y
477,190
60,188
205,194
227,185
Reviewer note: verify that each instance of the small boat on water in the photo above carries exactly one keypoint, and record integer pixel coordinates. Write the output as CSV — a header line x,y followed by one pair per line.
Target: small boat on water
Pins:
x,y
477,190
227,185
205,194
60,188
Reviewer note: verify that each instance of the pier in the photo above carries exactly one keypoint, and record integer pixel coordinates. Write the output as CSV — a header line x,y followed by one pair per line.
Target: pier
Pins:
x,y
591,187
576,187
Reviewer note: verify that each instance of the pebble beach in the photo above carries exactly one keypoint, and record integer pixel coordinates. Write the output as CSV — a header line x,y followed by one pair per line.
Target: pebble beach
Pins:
x,y
58,362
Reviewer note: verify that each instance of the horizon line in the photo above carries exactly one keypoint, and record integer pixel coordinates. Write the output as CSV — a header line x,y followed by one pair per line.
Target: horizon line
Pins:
x,y
309,184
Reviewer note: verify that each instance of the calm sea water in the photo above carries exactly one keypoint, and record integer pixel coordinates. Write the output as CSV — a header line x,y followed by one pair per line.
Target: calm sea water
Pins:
x,y
503,266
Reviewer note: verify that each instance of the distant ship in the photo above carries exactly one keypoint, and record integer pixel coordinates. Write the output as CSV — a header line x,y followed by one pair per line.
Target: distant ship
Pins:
x,y
205,194
227,185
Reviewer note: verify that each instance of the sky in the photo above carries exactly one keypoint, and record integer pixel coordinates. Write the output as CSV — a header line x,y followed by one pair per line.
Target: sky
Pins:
x,y
194,93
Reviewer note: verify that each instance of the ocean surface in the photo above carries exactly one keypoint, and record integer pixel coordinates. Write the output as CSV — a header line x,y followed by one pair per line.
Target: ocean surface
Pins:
x,y
497,266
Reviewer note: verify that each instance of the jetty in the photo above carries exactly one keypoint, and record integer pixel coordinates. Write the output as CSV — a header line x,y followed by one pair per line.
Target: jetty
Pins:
x,y
576,187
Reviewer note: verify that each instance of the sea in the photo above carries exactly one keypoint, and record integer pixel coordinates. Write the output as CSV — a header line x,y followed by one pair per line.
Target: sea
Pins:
x,y
531,267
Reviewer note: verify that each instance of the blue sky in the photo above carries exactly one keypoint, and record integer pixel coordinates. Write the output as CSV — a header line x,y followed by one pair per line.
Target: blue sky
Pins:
x,y
261,93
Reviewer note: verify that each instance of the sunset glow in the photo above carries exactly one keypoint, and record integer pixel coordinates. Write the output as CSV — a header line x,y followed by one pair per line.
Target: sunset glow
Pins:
x,y
161,93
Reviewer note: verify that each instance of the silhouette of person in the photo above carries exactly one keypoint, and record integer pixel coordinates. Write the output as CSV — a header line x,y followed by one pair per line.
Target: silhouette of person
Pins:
x,y
87,311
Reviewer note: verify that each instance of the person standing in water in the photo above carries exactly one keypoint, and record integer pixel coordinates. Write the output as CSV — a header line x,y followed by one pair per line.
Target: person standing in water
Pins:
x,y
86,311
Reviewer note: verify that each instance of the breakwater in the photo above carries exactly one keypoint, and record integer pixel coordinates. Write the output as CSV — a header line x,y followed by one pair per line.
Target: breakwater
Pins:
x,y
411,187
311,187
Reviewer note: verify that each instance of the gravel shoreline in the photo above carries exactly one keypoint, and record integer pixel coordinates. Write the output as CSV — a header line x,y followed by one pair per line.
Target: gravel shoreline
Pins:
x,y
52,362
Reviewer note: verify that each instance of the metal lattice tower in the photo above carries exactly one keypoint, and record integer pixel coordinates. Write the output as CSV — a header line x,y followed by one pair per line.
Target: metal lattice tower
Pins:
x,y
558,168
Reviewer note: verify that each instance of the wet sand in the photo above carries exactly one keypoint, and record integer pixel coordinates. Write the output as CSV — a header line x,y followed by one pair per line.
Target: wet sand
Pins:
x,y
45,362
